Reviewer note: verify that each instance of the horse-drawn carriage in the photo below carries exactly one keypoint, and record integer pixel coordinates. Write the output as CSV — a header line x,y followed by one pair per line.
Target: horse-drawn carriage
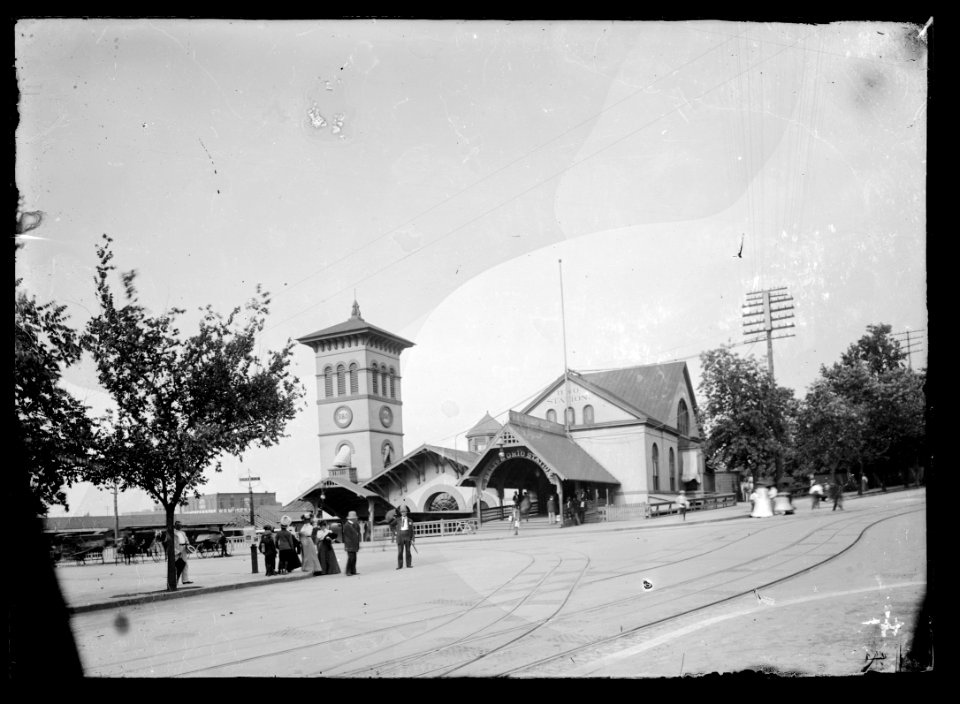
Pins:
x,y
79,546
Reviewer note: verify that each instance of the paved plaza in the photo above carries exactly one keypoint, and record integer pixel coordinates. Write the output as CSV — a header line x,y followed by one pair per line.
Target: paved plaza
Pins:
x,y
815,593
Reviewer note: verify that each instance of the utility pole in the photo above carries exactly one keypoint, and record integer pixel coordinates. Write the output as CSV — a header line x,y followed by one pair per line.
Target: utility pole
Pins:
x,y
764,313
910,345
253,546
116,522
566,369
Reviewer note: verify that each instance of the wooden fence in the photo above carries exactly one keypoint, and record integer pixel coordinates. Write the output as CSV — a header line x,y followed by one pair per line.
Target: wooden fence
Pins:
x,y
663,507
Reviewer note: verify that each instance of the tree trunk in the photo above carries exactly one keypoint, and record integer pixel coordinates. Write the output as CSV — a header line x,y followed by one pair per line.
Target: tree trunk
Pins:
x,y
171,555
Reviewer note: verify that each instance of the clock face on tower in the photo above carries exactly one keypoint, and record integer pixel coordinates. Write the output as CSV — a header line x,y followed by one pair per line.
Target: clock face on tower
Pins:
x,y
343,416
386,416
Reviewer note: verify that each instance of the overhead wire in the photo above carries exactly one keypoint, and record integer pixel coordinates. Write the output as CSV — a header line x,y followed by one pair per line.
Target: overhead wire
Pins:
x,y
509,164
512,198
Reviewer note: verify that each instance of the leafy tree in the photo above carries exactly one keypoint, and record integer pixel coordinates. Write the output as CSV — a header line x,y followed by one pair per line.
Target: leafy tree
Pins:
x,y
877,349
182,403
56,432
866,412
830,431
747,419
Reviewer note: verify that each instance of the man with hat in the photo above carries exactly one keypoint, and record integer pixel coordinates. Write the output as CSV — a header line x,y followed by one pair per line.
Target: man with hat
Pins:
x,y
351,542
405,537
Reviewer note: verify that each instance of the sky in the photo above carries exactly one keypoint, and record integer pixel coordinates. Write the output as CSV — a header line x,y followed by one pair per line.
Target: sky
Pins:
x,y
509,196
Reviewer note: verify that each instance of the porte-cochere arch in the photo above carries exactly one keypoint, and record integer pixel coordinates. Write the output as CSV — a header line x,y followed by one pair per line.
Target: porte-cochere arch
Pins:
x,y
537,455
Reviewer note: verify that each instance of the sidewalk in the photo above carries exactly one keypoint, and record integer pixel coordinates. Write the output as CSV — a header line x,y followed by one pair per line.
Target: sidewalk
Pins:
x,y
95,587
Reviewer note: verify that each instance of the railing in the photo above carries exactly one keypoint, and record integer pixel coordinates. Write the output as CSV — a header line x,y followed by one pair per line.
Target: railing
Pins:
x,y
661,507
429,529
500,513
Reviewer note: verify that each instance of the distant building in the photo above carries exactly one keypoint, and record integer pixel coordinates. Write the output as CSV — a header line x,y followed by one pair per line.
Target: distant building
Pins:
x,y
230,501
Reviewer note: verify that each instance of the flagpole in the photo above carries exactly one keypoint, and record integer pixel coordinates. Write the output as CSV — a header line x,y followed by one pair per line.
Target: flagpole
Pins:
x,y
566,375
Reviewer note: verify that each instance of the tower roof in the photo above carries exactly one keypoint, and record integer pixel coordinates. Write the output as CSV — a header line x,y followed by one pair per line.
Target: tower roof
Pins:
x,y
354,325
488,425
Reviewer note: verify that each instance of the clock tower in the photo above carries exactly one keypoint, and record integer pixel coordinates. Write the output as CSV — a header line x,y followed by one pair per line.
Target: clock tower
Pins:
x,y
359,399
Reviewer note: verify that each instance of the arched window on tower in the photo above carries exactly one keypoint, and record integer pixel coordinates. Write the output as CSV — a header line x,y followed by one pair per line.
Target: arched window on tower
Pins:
x,y
386,450
375,378
588,415
354,384
551,415
384,378
673,471
328,381
571,416
341,382
683,418
393,388
655,460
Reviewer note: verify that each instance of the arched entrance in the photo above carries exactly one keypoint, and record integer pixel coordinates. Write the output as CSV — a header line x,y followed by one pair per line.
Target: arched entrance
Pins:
x,y
517,469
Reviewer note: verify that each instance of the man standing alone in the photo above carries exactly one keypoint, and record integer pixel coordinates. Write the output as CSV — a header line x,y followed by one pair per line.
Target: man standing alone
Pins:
x,y
405,537
180,545
552,509
351,542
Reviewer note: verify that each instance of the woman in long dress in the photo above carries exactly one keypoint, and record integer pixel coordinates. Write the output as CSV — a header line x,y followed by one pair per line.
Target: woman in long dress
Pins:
x,y
325,551
308,549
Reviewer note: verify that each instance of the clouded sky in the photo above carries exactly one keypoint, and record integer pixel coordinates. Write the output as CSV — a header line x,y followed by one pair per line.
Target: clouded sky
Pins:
x,y
439,170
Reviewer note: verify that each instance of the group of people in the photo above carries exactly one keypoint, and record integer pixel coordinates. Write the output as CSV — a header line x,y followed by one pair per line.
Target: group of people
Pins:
x,y
575,508
767,500
818,492
314,543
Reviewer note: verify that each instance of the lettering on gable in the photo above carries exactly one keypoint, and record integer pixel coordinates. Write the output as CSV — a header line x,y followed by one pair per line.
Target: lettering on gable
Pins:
x,y
512,454
559,397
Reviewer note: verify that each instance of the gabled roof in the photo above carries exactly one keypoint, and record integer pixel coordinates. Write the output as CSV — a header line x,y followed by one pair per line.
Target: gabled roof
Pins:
x,y
647,391
462,457
353,326
334,483
552,445
652,388
488,425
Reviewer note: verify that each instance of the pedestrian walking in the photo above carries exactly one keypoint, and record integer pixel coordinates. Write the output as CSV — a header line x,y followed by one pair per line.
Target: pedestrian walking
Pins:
x,y
552,509
816,493
582,508
405,537
516,519
762,506
351,542
268,548
222,541
287,547
325,552
525,505
683,503
308,548
837,495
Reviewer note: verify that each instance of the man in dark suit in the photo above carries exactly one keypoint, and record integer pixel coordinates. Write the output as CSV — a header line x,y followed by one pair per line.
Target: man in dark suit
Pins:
x,y
405,537
351,542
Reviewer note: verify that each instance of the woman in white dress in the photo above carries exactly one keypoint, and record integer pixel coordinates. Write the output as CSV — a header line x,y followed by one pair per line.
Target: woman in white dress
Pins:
x,y
762,505
311,563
